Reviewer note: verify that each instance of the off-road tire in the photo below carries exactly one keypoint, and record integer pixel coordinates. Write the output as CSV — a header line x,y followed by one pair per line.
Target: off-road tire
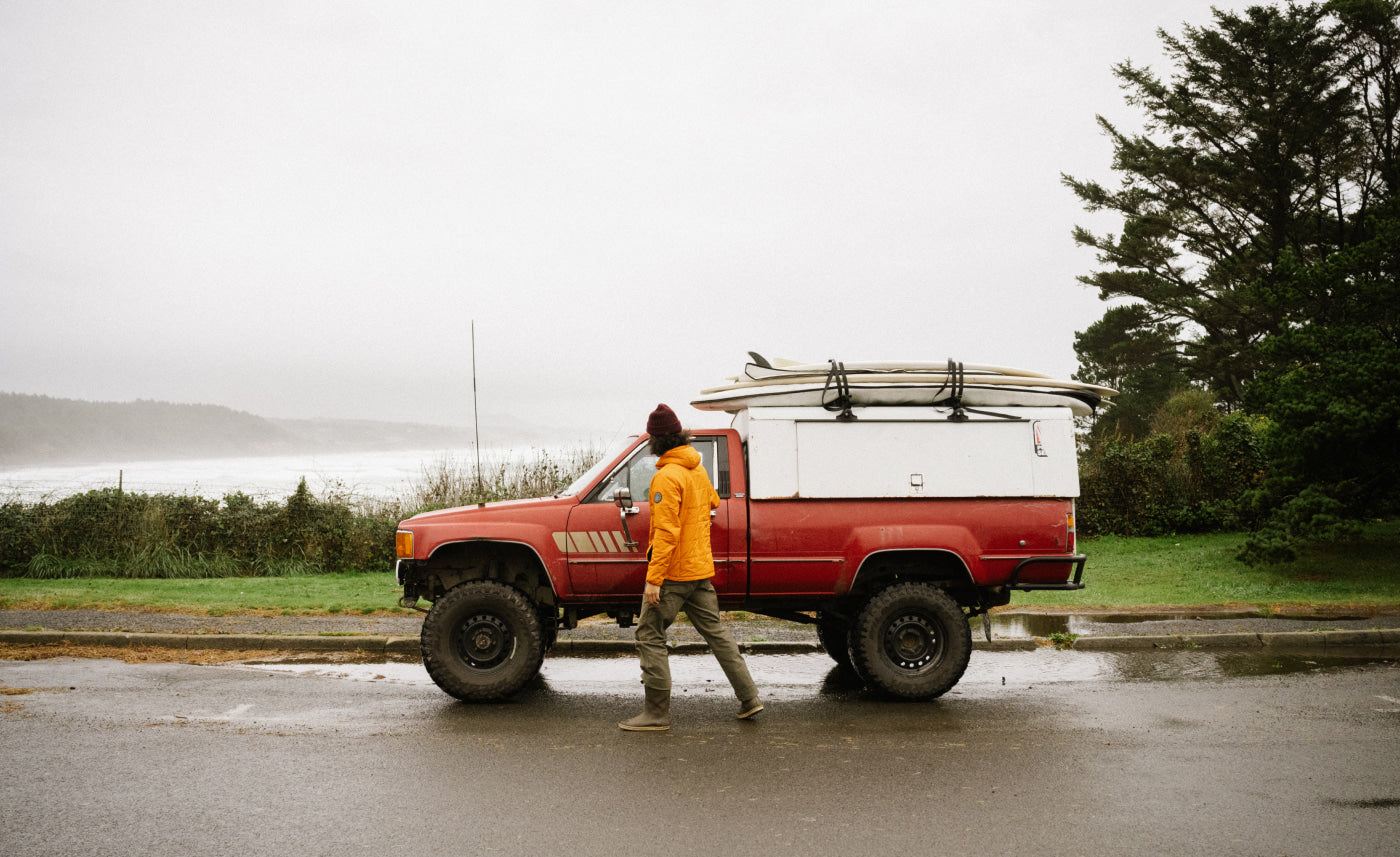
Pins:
x,y
911,641
834,635
482,641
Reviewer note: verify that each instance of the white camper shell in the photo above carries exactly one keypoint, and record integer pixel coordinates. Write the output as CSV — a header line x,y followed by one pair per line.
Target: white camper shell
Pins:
x,y
909,452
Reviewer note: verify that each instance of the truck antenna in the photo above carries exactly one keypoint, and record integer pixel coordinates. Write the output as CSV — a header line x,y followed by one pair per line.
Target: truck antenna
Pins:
x,y
476,416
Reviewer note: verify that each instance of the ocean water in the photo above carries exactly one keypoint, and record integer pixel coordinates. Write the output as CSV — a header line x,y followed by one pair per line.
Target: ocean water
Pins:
x,y
381,475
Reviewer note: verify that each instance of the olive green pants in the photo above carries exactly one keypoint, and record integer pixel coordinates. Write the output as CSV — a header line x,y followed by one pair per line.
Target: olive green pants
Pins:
x,y
701,605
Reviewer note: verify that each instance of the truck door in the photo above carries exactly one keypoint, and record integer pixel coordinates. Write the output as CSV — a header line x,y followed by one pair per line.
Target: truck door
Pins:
x,y
603,566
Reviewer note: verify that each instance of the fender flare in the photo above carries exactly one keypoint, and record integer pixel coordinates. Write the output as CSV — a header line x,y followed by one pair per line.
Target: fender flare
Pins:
x,y
549,575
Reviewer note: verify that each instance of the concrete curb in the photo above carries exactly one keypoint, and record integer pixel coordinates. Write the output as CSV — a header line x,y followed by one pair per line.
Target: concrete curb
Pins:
x,y
1382,642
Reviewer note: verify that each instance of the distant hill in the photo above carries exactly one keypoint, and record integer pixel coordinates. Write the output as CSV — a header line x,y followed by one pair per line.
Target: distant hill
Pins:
x,y
45,430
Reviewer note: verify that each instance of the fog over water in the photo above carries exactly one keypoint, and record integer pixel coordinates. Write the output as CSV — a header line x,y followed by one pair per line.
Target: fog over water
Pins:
x,y
366,475
298,209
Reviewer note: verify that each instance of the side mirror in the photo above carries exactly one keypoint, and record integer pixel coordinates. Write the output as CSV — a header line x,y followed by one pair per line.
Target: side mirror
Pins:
x,y
622,496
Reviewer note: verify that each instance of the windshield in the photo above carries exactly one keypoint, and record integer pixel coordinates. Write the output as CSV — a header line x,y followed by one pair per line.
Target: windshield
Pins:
x,y
614,449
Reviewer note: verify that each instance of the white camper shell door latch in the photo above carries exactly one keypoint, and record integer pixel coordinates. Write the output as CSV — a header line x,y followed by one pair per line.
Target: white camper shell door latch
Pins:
x,y
1039,445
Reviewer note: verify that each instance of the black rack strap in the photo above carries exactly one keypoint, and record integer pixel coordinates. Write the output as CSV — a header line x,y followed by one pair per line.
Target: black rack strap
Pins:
x,y
990,414
838,387
841,405
958,376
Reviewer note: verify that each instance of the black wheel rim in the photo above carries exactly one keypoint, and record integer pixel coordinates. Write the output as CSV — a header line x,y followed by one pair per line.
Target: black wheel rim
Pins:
x,y
913,643
484,641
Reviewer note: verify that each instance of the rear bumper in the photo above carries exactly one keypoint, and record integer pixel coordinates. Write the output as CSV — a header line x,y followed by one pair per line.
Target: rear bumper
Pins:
x,y
1076,582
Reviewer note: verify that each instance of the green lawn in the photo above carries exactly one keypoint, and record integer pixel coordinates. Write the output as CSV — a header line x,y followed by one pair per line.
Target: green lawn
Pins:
x,y
1201,570
1121,573
309,594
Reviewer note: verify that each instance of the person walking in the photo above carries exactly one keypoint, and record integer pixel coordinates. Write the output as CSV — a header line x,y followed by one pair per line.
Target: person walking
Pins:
x,y
680,564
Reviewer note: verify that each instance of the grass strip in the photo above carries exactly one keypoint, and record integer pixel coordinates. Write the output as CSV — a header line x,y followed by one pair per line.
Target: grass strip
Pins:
x,y
1123,573
1202,570
311,595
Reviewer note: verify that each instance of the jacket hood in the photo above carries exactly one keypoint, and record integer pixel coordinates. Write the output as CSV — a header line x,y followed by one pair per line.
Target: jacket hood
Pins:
x,y
685,456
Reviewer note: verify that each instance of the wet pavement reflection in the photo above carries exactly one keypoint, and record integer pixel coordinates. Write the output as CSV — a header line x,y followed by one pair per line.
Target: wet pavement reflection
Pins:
x,y
806,675
1023,626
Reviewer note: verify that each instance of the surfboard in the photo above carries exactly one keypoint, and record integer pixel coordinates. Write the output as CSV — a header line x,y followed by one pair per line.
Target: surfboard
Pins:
x,y
1080,402
779,382
757,372
915,378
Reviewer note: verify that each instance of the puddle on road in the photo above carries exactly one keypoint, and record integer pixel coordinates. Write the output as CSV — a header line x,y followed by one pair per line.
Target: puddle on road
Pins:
x,y
802,676
1024,626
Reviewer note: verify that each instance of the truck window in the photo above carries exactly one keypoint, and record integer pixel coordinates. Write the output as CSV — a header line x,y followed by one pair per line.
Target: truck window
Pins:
x,y
635,473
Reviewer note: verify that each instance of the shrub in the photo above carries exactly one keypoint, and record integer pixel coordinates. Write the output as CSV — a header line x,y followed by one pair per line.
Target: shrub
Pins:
x,y
113,533
110,533
1195,479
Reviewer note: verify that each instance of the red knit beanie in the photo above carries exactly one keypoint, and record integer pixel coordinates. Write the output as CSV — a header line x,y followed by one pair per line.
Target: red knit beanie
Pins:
x,y
663,420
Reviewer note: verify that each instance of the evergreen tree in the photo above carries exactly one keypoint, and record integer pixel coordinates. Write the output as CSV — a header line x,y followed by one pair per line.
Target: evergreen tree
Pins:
x,y
1137,356
1261,222
1331,389
1248,153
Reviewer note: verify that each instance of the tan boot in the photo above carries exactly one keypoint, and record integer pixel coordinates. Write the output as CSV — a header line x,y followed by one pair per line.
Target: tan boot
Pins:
x,y
749,707
656,713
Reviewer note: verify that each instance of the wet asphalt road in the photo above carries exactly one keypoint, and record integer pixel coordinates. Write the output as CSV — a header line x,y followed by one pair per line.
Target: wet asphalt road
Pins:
x,y
1035,753
1006,624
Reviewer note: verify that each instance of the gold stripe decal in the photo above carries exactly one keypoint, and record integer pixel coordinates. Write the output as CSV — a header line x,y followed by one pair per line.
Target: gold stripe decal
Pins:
x,y
607,541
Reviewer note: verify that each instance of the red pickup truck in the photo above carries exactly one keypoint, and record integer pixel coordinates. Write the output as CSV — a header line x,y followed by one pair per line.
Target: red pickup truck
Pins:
x,y
886,528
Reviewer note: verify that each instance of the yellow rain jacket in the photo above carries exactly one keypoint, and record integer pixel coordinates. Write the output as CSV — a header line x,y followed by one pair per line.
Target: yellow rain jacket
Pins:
x,y
681,499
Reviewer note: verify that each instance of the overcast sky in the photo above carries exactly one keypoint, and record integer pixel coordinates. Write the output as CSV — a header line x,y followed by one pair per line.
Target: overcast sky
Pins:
x,y
298,208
